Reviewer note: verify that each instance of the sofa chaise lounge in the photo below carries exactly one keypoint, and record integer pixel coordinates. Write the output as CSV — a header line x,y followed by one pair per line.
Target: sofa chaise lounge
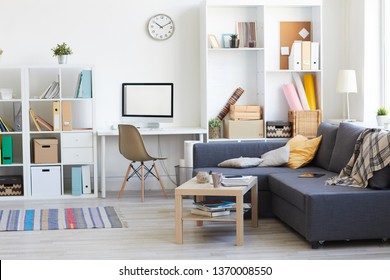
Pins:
x,y
317,211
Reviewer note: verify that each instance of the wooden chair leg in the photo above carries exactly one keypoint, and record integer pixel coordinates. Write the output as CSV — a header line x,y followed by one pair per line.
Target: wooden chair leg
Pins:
x,y
161,182
142,182
124,181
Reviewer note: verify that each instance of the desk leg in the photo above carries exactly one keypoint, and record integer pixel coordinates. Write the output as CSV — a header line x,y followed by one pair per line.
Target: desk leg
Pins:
x,y
255,206
179,218
240,220
103,164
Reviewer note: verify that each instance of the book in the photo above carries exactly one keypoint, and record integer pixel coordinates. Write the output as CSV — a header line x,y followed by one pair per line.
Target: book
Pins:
x,y
310,175
52,91
38,121
76,180
208,213
214,205
230,181
6,125
33,117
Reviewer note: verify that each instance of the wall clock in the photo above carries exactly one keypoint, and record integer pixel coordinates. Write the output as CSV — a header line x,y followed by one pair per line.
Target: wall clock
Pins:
x,y
161,27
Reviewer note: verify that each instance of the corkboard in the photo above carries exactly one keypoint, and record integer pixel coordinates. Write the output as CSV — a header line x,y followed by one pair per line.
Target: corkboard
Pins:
x,y
289,32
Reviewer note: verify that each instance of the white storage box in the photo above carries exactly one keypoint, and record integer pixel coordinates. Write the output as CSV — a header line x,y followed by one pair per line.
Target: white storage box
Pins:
x,y
45,181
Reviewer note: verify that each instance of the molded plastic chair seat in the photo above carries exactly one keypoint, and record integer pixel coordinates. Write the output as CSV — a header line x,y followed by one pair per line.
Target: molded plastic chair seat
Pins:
x,y
131,146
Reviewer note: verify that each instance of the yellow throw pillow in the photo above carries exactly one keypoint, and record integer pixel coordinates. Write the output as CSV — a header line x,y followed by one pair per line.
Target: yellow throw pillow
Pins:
x,y
302,150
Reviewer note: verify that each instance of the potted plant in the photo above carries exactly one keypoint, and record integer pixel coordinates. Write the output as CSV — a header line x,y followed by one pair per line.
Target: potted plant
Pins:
x,y
234,42
215,128
381,116
62,51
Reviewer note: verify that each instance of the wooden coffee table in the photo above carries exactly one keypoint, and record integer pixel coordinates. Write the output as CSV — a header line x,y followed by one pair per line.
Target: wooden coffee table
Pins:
x,y
192,187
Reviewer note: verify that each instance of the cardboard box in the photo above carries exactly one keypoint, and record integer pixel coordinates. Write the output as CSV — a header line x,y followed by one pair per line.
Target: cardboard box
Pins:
x,y
244,112
45,150
278,129
248,129
45,181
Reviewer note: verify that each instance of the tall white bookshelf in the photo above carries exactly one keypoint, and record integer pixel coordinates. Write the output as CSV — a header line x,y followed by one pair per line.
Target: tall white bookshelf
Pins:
x,y
256,70
76,147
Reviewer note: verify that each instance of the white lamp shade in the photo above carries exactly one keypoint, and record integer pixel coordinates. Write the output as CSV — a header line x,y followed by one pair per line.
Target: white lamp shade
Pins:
x,y
346,81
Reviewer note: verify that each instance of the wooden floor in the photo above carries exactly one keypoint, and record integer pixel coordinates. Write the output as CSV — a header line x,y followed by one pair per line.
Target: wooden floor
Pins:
x,y
150,235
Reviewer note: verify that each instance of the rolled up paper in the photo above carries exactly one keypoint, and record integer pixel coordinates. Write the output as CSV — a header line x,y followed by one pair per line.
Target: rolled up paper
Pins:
x,y
232,100
308,82
292,97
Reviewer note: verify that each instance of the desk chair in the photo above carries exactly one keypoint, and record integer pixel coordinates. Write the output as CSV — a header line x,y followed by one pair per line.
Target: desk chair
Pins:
x,y
131,146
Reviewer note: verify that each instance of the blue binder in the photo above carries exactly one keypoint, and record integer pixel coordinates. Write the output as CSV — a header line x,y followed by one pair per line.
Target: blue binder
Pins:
x,y
86,84
76,181
6,149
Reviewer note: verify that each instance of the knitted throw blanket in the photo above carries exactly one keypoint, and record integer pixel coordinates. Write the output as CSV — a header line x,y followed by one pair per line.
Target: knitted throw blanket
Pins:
x,y
371,153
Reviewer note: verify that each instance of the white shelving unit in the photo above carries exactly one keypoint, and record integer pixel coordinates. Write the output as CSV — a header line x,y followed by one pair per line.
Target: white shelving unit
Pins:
x,y
76,147
256,70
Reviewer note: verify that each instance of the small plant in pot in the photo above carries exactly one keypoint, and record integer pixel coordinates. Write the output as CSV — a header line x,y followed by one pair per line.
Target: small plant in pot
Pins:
x,y
234,42
62,51
381,116
215,128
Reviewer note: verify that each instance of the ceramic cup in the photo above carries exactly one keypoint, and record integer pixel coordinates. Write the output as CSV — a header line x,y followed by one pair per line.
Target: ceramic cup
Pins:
x,y
217,179
202,177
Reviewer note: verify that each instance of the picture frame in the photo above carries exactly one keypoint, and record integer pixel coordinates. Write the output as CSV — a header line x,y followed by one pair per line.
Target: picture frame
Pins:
x,y
226,38
213,41
247,33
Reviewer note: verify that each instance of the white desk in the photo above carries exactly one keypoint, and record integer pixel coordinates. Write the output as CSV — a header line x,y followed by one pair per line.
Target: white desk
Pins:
x,y
148,131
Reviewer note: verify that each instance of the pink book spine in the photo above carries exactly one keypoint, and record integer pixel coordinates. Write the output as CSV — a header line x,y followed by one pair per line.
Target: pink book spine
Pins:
x,y
292,97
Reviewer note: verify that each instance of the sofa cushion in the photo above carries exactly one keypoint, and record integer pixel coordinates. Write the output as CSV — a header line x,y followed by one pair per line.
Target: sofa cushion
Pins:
x,y
380,179
241,162
347,135
324,153
302,150
276,157
294,189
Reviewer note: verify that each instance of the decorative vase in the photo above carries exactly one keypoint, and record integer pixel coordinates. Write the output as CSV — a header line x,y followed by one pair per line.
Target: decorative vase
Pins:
x,y
381,120
62,59
234,43
214,132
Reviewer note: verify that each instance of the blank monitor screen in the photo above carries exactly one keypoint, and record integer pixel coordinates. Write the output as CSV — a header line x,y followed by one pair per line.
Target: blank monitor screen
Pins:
x,y
147,100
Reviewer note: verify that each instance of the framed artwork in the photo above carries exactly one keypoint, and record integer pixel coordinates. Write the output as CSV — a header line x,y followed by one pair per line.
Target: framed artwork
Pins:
x,y
226,40
213,41
246,33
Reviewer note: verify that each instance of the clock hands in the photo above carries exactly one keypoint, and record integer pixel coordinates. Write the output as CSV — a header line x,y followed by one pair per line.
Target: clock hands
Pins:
x,y
158,24
166,24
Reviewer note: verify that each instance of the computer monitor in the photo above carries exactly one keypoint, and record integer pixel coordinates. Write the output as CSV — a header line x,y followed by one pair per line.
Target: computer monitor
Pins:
x,y
147,104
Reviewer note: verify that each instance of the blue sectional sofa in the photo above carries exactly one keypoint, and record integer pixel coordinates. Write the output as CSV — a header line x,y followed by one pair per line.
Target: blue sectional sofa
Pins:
x,y
317,211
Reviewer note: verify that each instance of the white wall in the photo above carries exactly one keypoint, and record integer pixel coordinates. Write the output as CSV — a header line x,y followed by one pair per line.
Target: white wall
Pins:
x,y
111,35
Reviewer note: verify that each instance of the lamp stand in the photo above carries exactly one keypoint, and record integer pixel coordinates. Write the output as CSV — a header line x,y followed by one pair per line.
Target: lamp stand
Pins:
x,y
348,119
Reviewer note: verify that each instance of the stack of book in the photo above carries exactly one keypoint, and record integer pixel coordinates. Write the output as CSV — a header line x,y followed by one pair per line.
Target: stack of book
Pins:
x,y
212,208
232,181
52,91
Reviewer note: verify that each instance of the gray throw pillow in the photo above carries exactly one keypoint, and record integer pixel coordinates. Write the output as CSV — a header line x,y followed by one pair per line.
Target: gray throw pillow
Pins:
x,y
276,157
241,162
347,135
324,153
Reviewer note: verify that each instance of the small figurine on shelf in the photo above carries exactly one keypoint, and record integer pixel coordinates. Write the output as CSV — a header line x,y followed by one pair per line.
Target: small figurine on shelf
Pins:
x,y
234,42
62,51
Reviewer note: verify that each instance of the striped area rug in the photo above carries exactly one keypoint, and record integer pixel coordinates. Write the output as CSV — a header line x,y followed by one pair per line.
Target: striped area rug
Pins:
x,y
54,219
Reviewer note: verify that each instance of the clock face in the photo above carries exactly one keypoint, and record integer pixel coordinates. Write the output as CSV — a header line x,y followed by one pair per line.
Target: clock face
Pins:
x,y
161,27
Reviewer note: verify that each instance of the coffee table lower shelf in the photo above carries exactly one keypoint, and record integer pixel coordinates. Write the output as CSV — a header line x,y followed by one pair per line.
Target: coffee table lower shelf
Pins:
x,y
199,190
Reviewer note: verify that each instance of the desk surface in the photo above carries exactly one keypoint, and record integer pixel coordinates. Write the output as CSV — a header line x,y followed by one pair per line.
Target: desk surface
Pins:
x,y
157,131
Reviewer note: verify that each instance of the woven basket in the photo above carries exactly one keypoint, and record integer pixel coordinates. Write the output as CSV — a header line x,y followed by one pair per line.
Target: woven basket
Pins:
x,y
305,122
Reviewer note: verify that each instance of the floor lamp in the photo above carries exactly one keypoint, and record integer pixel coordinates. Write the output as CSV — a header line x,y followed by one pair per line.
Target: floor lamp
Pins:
x,y
346,82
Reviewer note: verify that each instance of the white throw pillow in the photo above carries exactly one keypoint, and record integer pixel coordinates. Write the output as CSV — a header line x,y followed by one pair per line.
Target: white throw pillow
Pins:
x,y
276,157
241,162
